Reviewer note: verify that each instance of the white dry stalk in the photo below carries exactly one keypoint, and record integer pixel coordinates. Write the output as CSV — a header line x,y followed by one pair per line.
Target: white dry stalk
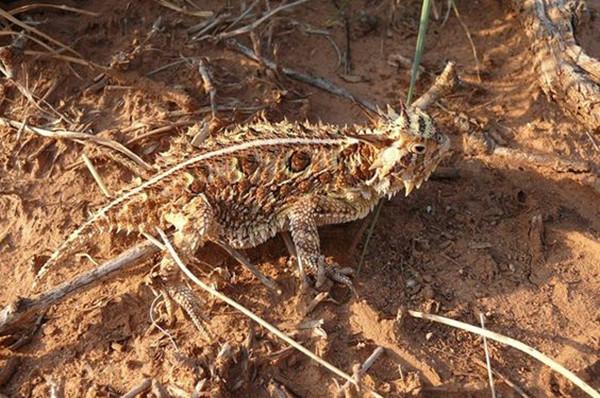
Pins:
x,y
365,367
78,137
253,25
487,358
95,175
513,343
249,313
26,27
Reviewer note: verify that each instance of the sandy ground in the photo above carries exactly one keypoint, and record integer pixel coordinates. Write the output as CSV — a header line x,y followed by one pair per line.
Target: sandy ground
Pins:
x,y
457,247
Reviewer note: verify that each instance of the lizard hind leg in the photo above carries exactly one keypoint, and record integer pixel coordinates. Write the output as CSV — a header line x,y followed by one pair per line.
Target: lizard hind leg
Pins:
x,y
194,224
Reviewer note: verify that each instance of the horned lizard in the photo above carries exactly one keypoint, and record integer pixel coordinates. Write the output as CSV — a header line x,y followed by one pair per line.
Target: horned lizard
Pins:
x,y
253,181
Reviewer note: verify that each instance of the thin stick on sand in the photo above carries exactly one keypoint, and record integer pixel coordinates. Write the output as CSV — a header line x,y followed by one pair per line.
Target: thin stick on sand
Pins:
x,y
513,343
488,363
249,313
22,309
79,137
23,25
95,175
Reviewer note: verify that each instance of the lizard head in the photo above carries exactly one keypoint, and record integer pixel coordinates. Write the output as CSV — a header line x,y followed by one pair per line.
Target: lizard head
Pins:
x,y
414,149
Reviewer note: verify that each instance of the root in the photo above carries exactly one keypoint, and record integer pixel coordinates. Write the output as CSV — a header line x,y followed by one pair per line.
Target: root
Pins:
x,y
566,73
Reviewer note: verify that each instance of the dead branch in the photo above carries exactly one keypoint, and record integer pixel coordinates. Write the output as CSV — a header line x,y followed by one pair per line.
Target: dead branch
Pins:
x,y
78,137
576,170
444,84
506,380
174,7
566,73
208,85
23,309
315,81
556,163
253,25
249,313
140,388
61,7
28,28
363,368
265,280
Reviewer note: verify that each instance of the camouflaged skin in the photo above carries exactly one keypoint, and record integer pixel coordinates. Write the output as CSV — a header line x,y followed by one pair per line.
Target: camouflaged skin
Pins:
x,y
250,182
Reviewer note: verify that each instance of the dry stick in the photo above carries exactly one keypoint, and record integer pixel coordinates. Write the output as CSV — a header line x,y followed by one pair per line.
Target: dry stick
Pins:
x,y
444,84
79,137
555,163
28,37
208,85
62,7
202,14
487,358
513,343
159,130
167,66
253,25
22,308
142,387
315,81
36,31
365,367
265,280
56,388
95,174
593,141
507,381
205,27
243,15
249,313
66,58
468,33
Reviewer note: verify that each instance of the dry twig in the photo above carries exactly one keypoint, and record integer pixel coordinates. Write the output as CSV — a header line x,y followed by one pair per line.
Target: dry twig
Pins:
x,y
61,7
508,382
265,280
253,25
364,368
95,175
141,387
513,343
487,359
174,7
79,137
468,33
208,85
29,28
315,81
249,313
23,309
444,84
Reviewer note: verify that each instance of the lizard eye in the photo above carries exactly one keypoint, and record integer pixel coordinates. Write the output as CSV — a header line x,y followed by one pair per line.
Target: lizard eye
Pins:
x,y
418,148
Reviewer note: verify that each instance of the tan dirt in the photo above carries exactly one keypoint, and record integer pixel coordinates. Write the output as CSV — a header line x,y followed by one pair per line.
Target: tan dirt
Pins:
x,y
456,247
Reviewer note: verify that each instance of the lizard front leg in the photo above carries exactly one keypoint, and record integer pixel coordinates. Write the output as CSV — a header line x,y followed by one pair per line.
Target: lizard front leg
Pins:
x,y
305,236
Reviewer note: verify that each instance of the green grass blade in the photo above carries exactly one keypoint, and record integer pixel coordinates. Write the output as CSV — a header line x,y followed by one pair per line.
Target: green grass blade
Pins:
x,y
425,9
